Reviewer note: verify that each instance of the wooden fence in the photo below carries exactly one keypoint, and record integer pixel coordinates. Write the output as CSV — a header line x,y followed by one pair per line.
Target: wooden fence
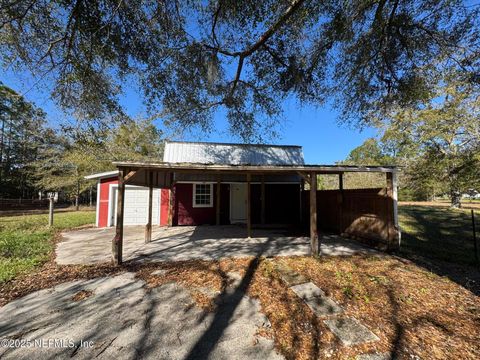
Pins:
x,y
23,204
363,214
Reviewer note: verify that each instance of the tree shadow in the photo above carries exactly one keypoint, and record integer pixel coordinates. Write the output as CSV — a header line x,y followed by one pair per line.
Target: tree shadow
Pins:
x,y
441,243
230,301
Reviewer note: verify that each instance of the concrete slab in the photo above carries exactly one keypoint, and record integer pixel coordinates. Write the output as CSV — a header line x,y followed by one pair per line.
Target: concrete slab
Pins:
x,y
323,306
89,246
350,331
289,276
316,300
307,290
124,321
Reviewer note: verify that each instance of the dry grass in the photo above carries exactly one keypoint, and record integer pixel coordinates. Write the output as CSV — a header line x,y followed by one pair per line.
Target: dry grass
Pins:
x,y
414,312
82,295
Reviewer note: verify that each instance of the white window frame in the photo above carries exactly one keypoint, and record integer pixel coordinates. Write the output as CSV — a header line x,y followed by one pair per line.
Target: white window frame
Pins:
x,y
194,192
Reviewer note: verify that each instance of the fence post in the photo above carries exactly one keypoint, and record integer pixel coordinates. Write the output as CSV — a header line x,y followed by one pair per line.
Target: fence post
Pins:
x,y
50,211
474,238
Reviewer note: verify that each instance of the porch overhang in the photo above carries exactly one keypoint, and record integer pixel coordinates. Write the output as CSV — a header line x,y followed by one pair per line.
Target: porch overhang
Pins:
x,y
162,175
276,169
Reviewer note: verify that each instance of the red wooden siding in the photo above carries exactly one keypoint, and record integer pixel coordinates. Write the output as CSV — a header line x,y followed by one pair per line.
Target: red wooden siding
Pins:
x,y
281,205
185,213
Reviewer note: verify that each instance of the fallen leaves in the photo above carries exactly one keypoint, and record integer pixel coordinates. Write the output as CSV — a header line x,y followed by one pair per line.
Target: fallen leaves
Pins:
x,y
414,313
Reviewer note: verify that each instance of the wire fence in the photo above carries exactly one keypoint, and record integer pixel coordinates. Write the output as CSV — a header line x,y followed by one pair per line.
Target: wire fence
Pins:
x,y
440,233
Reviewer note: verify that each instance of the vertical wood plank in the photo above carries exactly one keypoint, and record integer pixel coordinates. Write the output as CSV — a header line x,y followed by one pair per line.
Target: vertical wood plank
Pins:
x,y
117,242
391,233
262,201
50,210
148,227
314,244
218,201
341,221
249,211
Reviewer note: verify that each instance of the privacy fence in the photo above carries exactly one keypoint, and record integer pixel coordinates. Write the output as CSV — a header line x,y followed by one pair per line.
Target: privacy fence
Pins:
x,y
364,214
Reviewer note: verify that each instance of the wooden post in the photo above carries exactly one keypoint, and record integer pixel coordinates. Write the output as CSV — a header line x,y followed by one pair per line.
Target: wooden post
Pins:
x,y
249,212
218,202
475,249
50,211
117,242
148,227
392,219
340,207
300,203
314,244
262,201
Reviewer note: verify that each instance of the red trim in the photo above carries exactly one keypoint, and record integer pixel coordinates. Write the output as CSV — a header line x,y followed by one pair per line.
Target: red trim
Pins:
x,y
165,197
105,200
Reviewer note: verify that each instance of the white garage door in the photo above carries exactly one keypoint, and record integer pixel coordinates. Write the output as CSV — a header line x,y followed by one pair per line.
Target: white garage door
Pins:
x,y
136,206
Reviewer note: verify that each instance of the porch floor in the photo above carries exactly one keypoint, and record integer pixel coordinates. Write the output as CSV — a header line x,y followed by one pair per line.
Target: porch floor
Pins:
x,y
93,245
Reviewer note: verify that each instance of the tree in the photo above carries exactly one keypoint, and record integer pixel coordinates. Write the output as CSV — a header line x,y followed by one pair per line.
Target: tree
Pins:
x,y
191,58
22,128
371,152
66,161
443,139
374,153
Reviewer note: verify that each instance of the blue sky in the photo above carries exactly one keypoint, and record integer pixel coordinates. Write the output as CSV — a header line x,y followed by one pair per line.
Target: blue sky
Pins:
x,y
324,141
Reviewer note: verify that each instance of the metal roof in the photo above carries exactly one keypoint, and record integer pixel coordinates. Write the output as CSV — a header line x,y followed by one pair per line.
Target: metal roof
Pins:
x,y
102,175
232,154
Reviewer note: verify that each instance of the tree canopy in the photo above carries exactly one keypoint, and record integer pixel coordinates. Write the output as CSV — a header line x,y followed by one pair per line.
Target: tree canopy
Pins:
x,y
190,58
22,133
441,140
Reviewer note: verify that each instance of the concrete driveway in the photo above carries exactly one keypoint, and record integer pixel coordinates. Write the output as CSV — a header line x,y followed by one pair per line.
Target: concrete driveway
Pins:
x,y
89,246
121,319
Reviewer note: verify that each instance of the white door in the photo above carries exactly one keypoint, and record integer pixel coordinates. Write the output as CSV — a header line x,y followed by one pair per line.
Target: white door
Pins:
x,y
136,206
238,203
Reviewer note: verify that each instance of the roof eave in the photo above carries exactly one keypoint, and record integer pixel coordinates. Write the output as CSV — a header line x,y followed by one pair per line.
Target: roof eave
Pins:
x,y
266,168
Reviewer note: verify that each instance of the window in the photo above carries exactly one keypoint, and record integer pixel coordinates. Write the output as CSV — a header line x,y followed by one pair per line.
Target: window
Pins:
x,y
202,195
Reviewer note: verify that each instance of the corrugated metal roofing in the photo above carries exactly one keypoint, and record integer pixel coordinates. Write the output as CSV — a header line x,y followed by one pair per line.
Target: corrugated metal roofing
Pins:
x,y
232,154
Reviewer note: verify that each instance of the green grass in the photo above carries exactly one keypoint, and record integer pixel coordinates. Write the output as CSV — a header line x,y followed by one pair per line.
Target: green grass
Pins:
x,y
26,241
440,233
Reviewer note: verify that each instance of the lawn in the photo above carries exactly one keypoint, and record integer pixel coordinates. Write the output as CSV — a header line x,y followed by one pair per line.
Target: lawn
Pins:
x,y
439,233
27,241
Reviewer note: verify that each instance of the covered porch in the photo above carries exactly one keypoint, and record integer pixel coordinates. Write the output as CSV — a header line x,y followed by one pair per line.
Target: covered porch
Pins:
x,y
350,219
207,242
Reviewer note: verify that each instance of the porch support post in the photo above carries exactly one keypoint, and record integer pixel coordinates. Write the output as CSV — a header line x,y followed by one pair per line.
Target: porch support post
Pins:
x,y
148,227
218,201
314,244
262,200
249,212
392,217
171,200
341,199
117,242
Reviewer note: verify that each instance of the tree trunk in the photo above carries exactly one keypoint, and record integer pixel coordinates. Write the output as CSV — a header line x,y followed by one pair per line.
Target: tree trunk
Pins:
x,y
455,197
